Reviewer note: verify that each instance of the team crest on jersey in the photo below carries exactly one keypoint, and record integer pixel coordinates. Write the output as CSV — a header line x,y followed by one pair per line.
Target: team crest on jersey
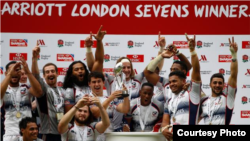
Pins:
x,y
89,132
133,84
23,91
72,131
154,113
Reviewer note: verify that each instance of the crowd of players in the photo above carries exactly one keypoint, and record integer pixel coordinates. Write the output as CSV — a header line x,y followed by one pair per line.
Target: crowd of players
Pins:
x,y
79,110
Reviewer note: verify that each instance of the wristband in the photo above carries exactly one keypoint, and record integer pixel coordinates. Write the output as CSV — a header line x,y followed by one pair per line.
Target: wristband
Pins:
x,y
163,128
89,49
193,52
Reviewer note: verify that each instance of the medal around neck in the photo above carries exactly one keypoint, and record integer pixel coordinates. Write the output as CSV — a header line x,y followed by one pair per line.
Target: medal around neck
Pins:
x,y
18,114
120,78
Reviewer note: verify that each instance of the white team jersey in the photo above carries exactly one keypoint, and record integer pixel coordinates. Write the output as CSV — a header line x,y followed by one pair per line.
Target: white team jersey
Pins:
x,y
72,95
149,114
183,107
133,87
218,110
21,139
75,133
9,101
160,91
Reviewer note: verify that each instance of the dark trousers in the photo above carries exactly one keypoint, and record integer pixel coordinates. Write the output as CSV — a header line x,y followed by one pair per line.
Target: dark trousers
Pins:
x,y
51,137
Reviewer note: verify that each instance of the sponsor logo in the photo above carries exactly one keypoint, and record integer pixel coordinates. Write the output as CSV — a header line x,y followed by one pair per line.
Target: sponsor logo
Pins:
x,y
205,86
248,72
225,58
156,44
112,44
205,72
44,57
61,43
106,58
204,44
65,57
18,42
245,44
245,86
82,44
132,44
203,59
59,84
17,56
110,71
1,70
41,43
244,100
224,44
223,71
181,44
245,58
245,114
154,113
199,44
62,71
136,57
2,41
115,58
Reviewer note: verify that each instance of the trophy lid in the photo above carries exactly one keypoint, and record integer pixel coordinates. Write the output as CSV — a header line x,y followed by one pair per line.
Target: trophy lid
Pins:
x,y
118,68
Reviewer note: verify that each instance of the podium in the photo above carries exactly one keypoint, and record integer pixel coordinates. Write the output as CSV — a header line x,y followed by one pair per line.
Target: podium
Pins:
x,y
135,136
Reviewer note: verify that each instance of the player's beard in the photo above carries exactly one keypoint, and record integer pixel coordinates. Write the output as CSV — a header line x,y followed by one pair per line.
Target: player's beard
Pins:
x,y
83,122
216,92
75,80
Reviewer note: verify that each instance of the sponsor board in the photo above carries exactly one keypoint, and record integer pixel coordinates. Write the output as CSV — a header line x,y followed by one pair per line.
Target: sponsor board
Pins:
x,y
18,42
137,58
17,56
65,57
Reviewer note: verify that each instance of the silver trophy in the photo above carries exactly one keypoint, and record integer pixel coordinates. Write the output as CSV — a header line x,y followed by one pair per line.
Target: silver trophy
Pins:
x,y
120,78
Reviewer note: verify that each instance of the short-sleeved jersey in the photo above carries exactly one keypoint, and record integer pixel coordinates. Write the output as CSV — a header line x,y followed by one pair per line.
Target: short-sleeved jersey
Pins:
x,y
152,116
160,91
73,133
73,95
218,110
11,122
183,107
48,107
